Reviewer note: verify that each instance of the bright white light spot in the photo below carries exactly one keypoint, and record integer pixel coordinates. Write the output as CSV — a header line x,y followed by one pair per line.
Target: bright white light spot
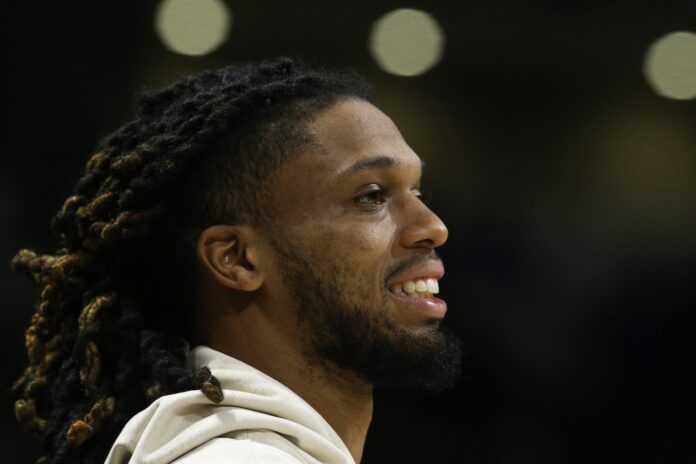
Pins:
x,y
670,65
406,42
192,27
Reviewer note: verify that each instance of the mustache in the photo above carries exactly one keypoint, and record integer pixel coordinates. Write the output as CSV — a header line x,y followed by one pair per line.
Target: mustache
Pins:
x,y
410,262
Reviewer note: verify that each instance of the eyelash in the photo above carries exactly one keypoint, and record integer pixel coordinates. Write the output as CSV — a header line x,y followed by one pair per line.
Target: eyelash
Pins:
x,y
380,192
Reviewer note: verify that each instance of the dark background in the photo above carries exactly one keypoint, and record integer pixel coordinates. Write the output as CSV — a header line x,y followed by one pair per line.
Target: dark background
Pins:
x,y
566,182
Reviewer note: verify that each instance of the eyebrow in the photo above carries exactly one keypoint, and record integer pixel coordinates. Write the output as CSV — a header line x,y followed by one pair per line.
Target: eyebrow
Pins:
x,y
373,162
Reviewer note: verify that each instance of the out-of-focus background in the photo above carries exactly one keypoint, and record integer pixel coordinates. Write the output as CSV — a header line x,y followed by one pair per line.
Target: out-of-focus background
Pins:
x,y
560,140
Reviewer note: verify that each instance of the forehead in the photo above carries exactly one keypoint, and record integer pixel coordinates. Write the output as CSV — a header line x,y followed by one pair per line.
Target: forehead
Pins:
x,y
354,129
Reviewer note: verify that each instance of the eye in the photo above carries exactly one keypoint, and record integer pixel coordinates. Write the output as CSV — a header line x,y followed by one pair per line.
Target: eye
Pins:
x,y
374,197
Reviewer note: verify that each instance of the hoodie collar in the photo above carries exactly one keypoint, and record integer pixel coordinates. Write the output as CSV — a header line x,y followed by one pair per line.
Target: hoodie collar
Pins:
x,y
246,386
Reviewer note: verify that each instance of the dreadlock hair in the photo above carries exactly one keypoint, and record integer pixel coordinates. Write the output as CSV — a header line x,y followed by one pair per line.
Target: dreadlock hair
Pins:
x,y
111,327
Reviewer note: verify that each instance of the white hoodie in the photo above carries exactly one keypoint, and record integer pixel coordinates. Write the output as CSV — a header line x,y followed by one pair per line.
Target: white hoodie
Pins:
x,y
260,421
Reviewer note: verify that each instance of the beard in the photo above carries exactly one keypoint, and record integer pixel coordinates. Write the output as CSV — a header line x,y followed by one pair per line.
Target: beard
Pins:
x,y
364,341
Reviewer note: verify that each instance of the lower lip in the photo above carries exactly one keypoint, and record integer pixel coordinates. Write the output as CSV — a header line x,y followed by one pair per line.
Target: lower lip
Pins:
x,y
430,306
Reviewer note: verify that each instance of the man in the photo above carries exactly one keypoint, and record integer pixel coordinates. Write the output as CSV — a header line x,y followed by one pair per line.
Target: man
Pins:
x,y
270,214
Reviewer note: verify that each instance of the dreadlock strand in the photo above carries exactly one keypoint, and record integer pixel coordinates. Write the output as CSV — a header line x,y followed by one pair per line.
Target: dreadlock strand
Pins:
x,y
89,313
78,432
33,340
94,162
70,268
82,429
25,412
129,163
91,367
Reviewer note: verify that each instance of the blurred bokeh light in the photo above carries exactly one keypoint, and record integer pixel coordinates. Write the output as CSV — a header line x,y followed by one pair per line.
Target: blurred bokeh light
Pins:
x,y
193,27
670,65
407,42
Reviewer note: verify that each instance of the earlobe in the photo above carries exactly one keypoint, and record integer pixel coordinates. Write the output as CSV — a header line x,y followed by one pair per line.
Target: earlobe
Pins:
x,y
226,254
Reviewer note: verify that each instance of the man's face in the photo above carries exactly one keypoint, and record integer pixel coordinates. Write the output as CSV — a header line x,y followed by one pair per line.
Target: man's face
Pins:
x,y
349,235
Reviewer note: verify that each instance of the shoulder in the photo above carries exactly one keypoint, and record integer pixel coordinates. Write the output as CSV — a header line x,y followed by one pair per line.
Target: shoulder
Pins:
x,y
234,451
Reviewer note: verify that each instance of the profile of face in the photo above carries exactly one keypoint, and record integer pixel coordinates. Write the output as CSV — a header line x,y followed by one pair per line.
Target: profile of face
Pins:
x,y
350,237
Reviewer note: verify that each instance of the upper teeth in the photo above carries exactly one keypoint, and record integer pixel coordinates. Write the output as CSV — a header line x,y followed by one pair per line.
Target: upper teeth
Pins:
x,y
416,287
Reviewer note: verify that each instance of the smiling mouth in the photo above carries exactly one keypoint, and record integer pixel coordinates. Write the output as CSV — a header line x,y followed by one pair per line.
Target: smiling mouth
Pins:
x,y
420,288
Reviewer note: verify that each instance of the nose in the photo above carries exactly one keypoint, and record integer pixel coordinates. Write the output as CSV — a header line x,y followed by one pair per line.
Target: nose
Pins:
x,y
423,229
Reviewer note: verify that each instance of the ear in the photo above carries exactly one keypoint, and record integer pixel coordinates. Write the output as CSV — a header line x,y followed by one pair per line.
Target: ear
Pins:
x,y
230,255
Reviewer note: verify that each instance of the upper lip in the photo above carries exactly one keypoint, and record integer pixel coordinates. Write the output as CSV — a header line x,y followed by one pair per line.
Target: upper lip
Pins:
x,y
432,269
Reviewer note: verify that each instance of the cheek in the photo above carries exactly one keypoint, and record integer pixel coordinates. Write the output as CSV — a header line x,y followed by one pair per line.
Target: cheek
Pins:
x,y
367,245
351,257
359,259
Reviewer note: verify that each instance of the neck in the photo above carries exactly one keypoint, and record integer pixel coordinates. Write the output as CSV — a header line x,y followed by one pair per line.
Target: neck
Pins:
x,y
346,405
342,400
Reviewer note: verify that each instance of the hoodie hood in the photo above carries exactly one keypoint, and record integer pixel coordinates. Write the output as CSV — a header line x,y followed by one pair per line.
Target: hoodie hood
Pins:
x,y
253,402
